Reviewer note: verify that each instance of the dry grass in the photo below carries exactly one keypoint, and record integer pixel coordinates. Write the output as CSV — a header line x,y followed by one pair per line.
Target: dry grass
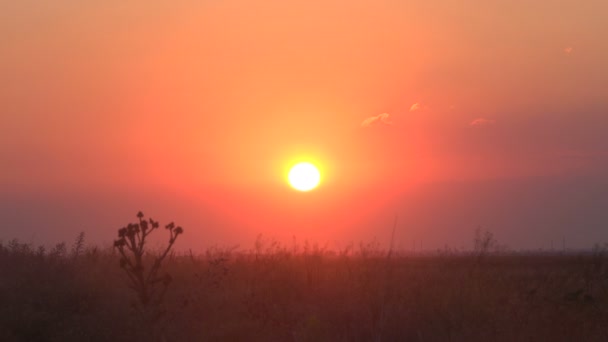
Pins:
x,y
307,293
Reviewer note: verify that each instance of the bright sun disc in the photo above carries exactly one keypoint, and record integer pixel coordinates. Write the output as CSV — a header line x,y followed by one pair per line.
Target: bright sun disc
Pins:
x,y
304,176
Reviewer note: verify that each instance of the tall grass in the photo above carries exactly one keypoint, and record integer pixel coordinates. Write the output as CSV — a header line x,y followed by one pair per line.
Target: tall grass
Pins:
x,y
307,292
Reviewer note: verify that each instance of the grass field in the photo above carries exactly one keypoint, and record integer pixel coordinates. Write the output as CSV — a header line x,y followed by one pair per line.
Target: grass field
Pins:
x,y
306,293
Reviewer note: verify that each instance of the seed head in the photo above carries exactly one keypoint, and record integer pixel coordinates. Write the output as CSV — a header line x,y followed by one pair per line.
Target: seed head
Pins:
x,y
122,232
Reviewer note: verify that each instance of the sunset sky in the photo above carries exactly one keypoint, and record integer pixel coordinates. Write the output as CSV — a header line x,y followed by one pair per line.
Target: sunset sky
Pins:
x,y
449,114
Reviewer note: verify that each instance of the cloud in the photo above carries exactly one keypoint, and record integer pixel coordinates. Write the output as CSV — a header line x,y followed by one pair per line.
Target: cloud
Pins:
x,y
385,118
481,122
568,50
377,119
417,106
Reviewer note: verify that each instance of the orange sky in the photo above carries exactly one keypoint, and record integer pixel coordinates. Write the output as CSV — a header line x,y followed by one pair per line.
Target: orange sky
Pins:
x,y
209,101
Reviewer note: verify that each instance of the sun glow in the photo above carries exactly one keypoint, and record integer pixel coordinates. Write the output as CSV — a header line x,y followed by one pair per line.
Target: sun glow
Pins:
x,y
304,176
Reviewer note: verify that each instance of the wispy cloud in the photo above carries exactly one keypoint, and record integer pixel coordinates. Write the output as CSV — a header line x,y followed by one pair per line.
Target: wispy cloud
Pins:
x,y
481,122
383,118
568,50
418,107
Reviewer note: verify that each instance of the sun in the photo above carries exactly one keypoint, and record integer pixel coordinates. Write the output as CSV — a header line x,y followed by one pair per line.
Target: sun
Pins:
x,y
304,176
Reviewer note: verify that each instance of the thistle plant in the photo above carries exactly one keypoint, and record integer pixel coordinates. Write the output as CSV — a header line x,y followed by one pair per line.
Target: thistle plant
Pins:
x,y
143,278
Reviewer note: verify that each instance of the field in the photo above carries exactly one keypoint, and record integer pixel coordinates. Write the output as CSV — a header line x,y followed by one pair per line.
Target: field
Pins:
x,y
305,293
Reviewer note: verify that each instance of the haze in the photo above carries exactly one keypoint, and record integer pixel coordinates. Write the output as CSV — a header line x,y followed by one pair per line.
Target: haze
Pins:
x,y
450,115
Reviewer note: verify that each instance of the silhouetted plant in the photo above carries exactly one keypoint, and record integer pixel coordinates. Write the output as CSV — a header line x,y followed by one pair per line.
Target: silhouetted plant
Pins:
x,y
484,243
78,246
144,279
59,251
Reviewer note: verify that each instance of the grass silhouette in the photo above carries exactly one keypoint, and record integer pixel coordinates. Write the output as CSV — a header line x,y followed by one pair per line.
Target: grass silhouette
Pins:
x,y
297,293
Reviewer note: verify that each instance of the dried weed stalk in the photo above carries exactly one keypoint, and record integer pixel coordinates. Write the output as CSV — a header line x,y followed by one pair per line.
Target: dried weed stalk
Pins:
x,y
144,279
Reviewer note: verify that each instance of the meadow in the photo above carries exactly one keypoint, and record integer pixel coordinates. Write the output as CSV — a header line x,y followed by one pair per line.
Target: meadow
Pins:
x,y
304,292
